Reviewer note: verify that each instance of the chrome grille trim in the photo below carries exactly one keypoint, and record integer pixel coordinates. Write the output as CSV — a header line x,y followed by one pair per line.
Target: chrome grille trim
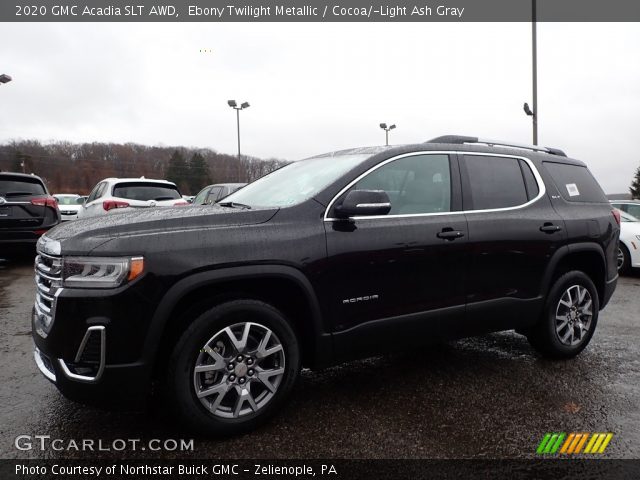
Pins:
x,y
48,279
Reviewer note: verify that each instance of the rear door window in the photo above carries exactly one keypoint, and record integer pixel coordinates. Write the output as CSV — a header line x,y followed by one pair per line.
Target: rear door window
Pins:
x,y
575,183
497,182
145,191
214,194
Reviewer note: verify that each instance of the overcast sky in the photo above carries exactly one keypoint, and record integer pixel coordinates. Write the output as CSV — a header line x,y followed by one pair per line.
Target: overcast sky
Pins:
x,y
320,87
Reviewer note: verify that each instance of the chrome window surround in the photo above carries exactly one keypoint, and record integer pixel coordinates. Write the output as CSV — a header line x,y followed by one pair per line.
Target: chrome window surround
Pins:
x,y
85,378
541,187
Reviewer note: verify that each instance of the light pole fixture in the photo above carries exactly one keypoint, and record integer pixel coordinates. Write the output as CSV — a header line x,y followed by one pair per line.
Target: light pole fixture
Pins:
x,y
234,105
386,130
4,78
533,112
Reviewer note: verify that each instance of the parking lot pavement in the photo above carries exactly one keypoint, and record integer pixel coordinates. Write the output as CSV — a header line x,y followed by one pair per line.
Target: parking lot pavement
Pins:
x,y
486,397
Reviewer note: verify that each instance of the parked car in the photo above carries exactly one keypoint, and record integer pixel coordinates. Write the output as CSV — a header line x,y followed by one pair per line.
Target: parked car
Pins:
x,y
69,205
26,211
335,257
632,207
629,253
214,193
127,194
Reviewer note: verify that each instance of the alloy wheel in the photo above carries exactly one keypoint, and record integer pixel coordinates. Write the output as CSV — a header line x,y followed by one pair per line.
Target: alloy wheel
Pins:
x,y
238,370
621,258
573,315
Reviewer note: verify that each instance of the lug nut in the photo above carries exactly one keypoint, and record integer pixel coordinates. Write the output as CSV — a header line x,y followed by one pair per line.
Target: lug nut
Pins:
x,y
232,378
231,366
249,361
242,380
239,359
250,372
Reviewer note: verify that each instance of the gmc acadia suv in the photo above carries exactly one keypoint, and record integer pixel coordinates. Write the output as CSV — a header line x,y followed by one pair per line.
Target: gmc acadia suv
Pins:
x,y
335,257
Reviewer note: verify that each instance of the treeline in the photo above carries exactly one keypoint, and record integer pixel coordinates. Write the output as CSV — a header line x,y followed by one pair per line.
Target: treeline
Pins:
x,y
76,167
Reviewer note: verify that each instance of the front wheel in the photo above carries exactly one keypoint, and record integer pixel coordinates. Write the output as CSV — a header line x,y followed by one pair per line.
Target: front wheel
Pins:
x,y
569,319
233,367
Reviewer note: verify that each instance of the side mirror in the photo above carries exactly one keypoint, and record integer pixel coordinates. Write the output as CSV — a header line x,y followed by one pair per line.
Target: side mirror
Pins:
x,y
364,202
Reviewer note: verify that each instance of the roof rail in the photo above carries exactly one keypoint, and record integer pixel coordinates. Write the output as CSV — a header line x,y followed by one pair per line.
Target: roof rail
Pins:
x,y
461,139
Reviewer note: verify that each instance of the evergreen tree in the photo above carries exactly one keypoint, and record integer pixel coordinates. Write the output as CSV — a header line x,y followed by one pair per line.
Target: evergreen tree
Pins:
x,y
635,186
178,171
199,176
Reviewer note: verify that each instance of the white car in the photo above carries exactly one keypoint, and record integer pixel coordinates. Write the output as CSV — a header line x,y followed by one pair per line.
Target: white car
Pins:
x,y
69,205
629,252
118,194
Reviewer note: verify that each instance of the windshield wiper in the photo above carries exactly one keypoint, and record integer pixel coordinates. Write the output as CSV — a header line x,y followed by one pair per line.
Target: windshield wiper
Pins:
x,y
235,205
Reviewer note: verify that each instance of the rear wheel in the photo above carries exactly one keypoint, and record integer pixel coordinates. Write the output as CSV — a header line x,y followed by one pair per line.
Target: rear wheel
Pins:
x,y
624,259
569,318
233,367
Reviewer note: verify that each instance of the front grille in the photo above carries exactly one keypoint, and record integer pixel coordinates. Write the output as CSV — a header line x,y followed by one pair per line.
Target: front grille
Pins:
x,y
48,276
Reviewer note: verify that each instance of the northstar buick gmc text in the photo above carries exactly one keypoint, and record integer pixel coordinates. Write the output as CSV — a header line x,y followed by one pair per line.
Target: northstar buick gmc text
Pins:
x,y
340,256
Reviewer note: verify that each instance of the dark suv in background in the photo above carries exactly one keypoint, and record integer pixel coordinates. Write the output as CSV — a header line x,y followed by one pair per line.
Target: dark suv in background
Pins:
x,y
26,212
331,258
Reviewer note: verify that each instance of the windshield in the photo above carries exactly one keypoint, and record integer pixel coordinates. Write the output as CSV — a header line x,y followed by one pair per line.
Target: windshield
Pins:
x,y
67,199
296,182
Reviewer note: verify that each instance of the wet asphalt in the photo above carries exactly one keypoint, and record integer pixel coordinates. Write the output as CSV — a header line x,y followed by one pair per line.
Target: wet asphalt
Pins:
x,y
485,397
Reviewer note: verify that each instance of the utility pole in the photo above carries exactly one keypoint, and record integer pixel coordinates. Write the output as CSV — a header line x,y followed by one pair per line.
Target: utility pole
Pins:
x,y
534,51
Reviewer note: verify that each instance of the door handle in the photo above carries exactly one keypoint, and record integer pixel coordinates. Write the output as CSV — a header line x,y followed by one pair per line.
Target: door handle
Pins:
x,y
450,234
550,228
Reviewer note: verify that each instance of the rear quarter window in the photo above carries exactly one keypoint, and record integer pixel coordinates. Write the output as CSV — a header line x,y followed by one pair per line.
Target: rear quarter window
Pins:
x,y
575,183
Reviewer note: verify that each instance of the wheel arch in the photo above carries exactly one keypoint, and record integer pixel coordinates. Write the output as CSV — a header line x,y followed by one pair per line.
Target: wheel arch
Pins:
x,y
587,257
284,287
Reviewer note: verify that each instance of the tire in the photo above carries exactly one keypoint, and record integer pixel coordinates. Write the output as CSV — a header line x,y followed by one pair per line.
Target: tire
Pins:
x,y
245,377
572,301
624,259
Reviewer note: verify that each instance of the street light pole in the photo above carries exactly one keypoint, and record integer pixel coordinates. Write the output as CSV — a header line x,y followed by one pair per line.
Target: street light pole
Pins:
x,y
234,105
534,53
386,129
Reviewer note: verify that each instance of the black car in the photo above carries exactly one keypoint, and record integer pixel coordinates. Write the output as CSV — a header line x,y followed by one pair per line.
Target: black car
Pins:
x,y
328,259
26,212
212,193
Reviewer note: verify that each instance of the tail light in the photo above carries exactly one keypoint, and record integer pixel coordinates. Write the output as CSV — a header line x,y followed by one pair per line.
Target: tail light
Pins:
x,y
181,203
111,204
616,215
45,202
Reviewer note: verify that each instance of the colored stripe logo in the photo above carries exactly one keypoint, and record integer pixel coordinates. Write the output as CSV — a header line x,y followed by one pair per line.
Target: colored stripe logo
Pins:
x,y
574,443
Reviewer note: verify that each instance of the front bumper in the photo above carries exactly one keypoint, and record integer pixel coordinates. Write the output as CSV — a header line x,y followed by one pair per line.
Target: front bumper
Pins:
x,y
93,348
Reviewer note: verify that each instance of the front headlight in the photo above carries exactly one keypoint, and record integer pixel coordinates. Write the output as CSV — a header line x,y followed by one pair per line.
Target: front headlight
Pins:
x,y
100,272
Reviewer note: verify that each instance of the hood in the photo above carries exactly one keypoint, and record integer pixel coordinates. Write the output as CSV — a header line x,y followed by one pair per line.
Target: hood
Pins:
x,y
84,235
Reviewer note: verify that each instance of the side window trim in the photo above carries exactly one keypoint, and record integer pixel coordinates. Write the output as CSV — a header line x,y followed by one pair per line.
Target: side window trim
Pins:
x,y
458,171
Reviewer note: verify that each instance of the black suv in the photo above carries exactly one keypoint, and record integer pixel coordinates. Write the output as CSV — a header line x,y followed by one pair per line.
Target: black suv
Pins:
x,y
332,258
26,212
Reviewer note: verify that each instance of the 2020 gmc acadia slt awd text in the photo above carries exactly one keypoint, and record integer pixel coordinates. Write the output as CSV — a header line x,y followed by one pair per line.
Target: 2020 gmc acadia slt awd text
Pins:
x,y
327,259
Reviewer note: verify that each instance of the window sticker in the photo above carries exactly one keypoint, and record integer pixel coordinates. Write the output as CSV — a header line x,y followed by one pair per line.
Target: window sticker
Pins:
x,y
572,188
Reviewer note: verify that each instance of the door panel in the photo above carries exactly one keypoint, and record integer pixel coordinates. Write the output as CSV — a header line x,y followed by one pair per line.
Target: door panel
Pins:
x,y
393,280
510,245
